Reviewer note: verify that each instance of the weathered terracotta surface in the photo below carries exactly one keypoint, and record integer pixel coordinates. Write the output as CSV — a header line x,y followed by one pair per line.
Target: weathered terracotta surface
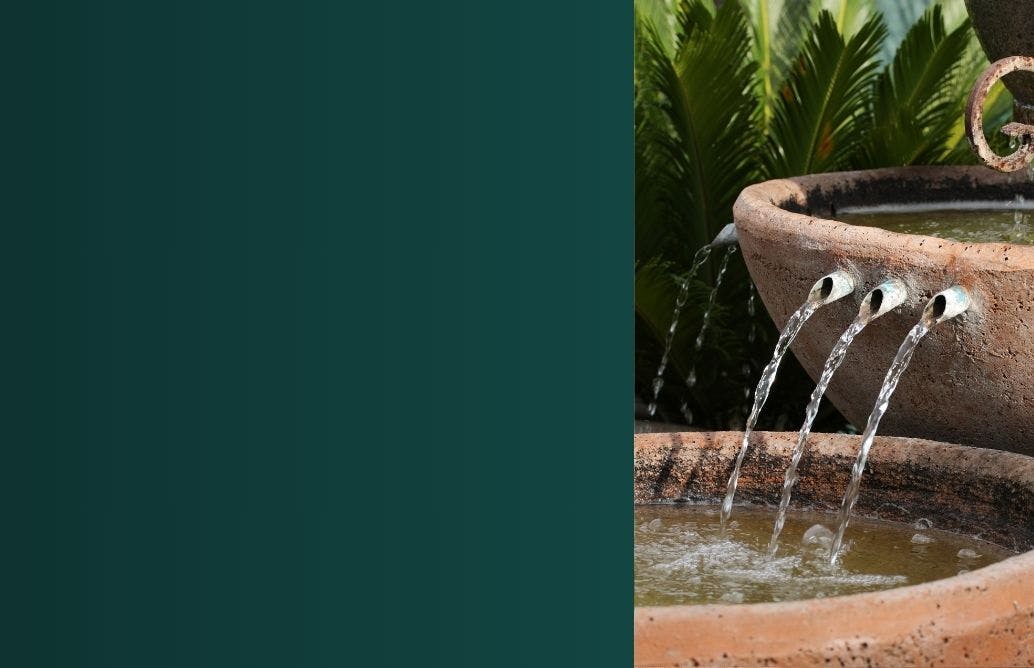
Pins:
x,y
972,379
982,618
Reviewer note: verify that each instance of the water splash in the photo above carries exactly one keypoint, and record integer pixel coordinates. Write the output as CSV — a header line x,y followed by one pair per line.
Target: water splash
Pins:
x,y
680,301
751,335
826,290
944,305
890,383
793,326
832,363
698,344
885,297
1019,216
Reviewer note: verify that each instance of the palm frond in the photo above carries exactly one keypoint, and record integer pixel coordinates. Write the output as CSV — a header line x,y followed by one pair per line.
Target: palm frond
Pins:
x,y
915,105
778,27
850,15
697,117
817,121
899,17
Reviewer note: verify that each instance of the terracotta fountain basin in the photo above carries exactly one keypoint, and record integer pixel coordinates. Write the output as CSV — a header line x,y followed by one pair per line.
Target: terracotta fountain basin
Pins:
x,y
972,379
984,617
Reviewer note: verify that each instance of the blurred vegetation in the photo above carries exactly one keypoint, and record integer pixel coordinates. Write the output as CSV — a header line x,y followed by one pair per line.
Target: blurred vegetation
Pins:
x,y
730,95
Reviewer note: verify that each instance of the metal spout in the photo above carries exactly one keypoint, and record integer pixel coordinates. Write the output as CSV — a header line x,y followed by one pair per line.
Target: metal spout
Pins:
x,y
945,305
831,287
884,298
726,237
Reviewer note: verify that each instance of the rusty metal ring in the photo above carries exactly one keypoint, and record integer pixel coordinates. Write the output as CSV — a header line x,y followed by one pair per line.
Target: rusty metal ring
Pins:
x,y
975,117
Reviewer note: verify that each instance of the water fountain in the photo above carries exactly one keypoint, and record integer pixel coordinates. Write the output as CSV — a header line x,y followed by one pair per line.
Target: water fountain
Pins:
x,y
970,382
984,617
726,239
881,300
944,306
826,290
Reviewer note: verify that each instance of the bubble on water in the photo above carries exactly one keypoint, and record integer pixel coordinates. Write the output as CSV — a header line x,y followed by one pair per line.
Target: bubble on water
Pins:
x,y
654,524
966,553
817,535
921,539
923,523
732,597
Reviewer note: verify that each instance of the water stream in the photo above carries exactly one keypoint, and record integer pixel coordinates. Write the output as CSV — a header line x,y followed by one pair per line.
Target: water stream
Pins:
x,y
836,357
828,289
890,383
691,377
680,301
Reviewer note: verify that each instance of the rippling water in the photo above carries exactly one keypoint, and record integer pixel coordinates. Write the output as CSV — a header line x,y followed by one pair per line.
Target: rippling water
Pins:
x,y
682,556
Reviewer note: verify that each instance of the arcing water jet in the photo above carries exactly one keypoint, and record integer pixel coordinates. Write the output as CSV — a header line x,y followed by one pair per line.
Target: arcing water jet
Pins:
x,y
945,305
826,290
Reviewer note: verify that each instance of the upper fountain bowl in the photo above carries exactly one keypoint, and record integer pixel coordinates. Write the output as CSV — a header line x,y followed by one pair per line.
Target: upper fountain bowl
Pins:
x,y
972,379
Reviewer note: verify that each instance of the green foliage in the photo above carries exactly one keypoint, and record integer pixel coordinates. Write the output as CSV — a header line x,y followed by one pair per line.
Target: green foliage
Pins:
x,y
695,129
757,89
818,117
916,104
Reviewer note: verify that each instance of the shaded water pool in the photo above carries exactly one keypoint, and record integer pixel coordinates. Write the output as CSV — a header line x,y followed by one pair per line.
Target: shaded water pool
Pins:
x,y
682,556
976,222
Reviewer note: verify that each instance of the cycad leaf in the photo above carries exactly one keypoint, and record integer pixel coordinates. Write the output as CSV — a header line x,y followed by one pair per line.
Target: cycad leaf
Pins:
x,y
699,122
660,15
817,121
779,27
915,105
899,17
850,15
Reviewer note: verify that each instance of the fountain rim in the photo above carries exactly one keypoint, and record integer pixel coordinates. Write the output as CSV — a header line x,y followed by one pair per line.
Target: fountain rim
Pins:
x,y
764,206
964,605
1022,562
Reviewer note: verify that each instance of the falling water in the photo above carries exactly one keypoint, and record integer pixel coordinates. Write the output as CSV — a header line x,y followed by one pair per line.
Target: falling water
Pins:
x,y
680,301
1019,218
885,297
751,335
691,377
793,325
826,290
832,363
936,311
890,383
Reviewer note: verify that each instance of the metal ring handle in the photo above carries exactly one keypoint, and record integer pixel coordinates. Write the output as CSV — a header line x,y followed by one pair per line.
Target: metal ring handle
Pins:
x,y
975,117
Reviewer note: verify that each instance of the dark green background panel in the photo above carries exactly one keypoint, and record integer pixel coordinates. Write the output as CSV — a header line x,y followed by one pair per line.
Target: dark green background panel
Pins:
x,y
317,339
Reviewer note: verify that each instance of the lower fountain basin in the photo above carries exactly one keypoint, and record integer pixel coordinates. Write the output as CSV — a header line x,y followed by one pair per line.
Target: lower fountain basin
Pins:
x,y
972,379
984,617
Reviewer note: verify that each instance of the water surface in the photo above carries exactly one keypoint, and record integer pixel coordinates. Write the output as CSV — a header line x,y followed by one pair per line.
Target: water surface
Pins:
x,y
682,557
1007,221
